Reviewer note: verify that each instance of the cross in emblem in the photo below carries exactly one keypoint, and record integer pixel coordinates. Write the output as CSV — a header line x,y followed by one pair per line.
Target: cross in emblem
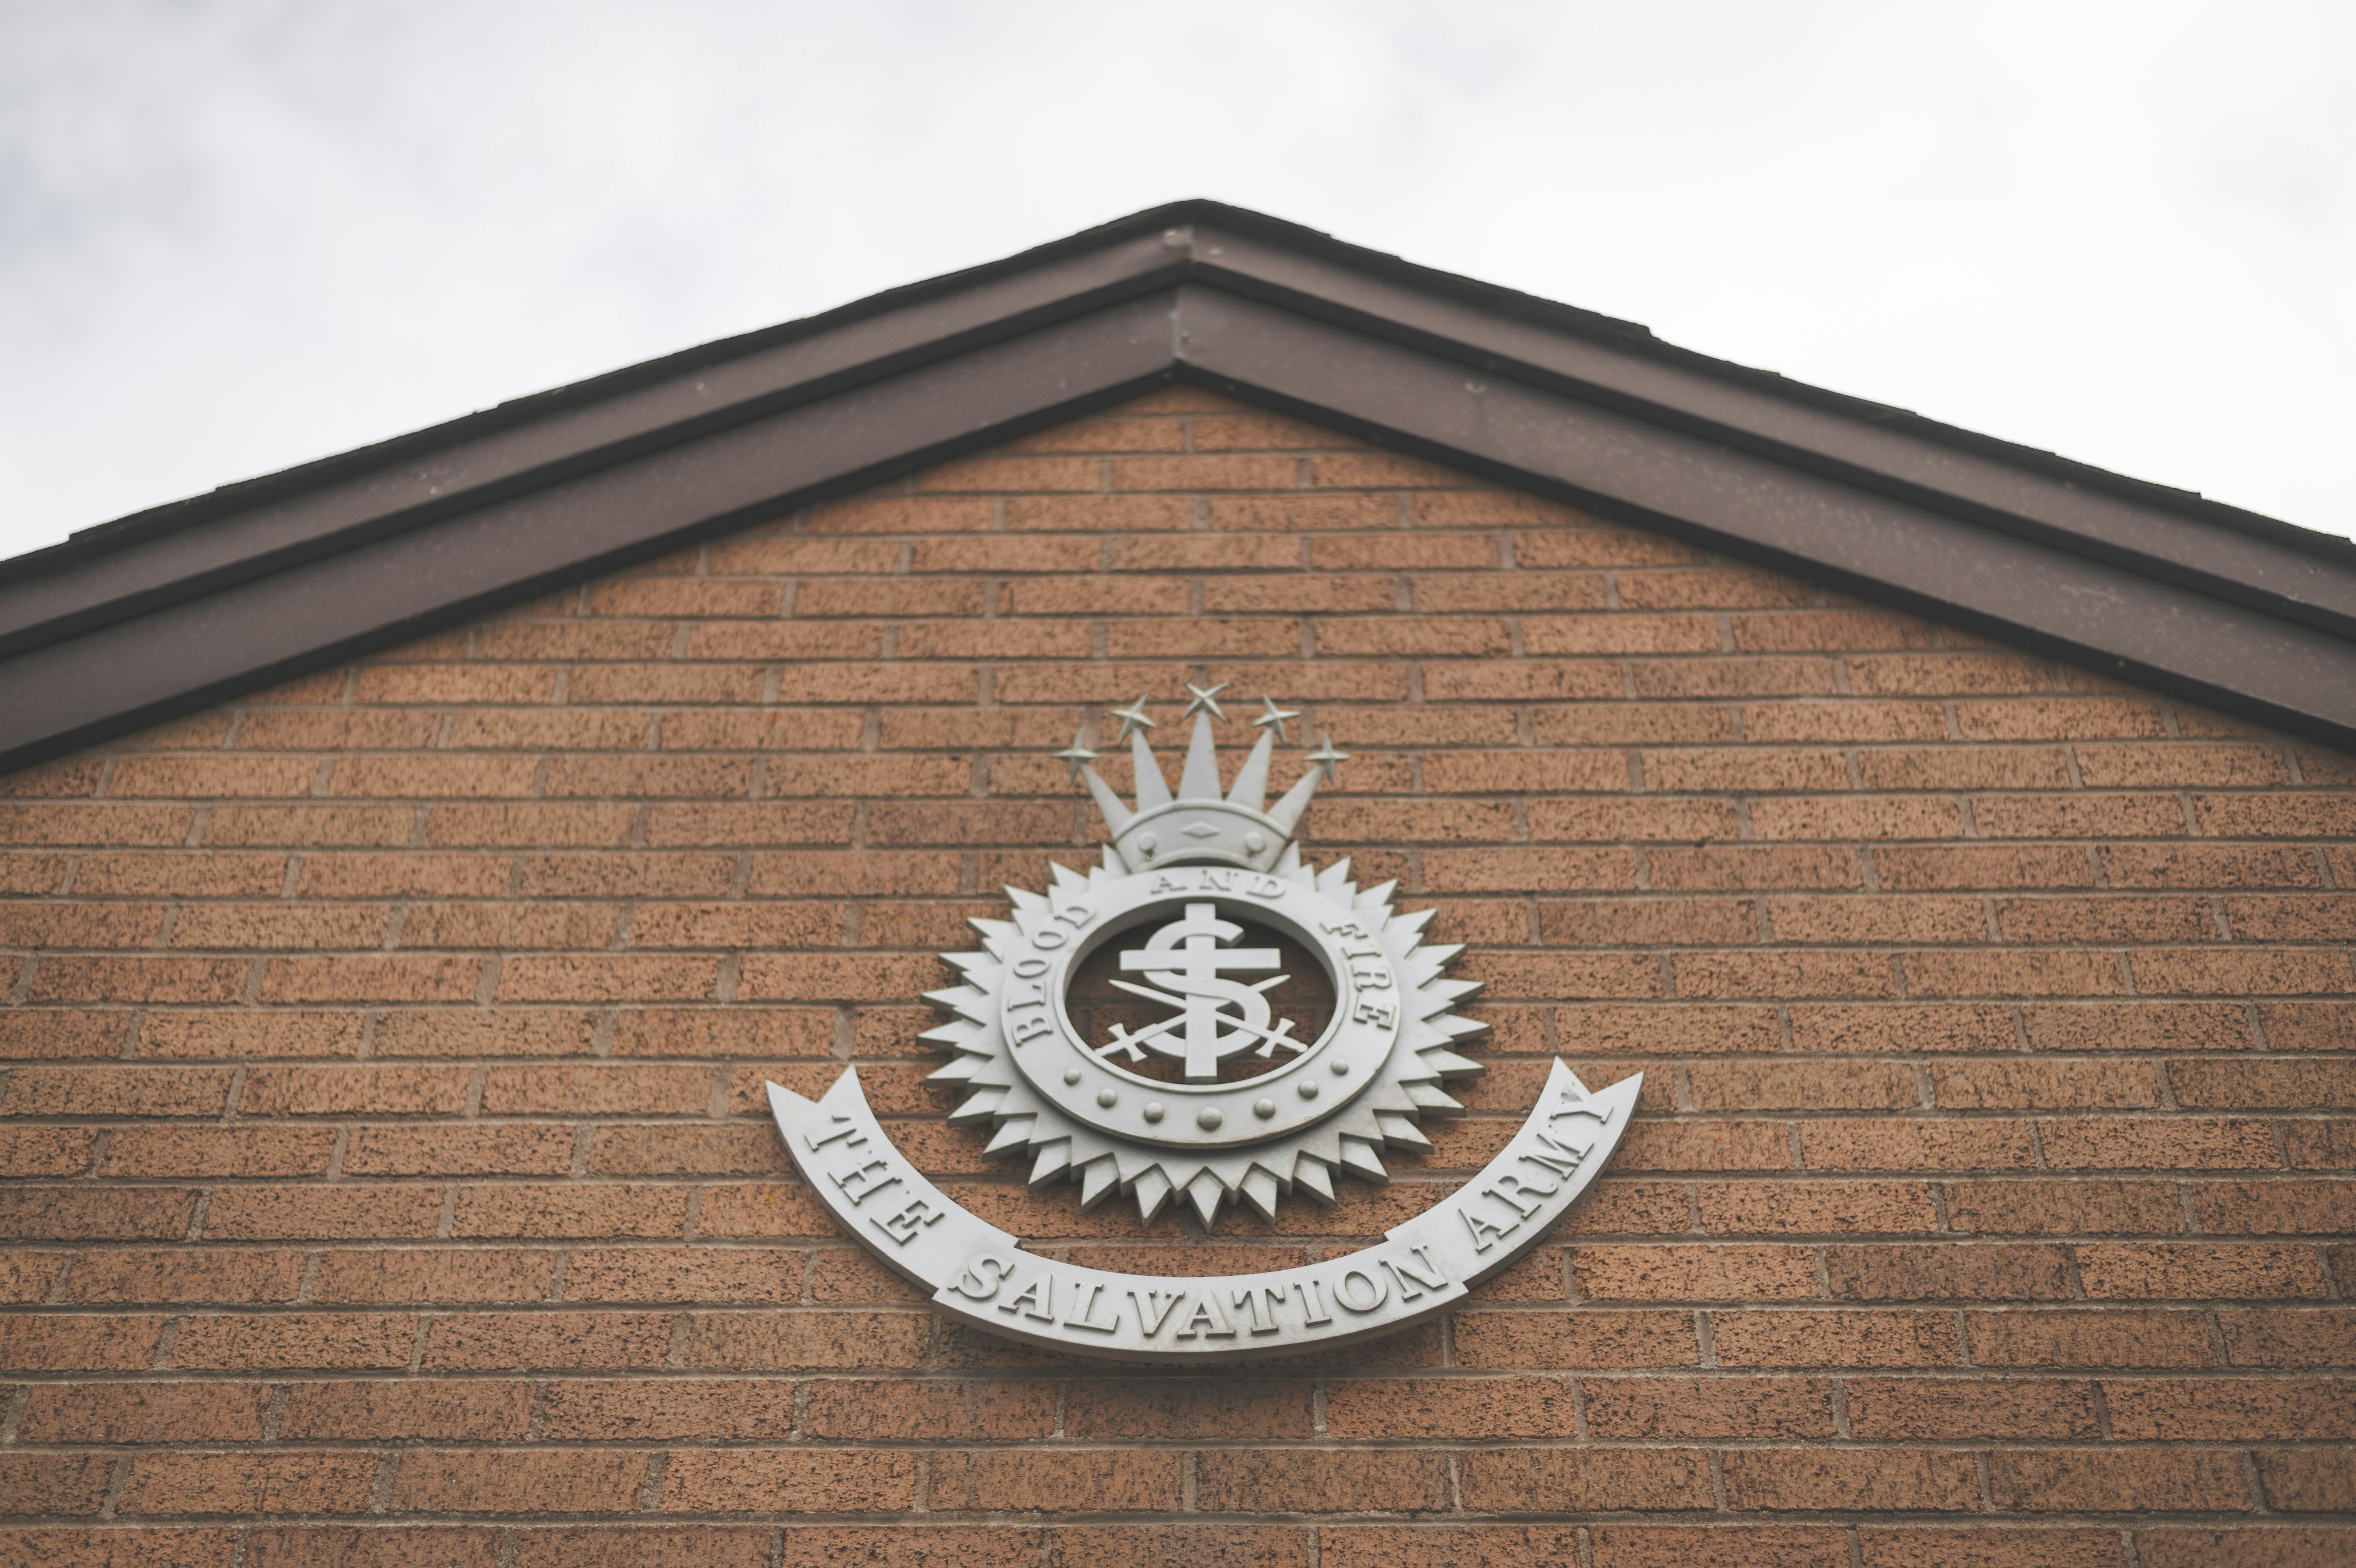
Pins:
x,y
1185,957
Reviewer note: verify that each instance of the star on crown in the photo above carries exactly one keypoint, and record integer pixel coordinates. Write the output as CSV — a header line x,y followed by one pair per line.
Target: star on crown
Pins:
x,y
1199,824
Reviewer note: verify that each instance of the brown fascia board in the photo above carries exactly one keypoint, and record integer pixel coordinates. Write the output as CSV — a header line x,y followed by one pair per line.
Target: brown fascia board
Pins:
x,y
181,606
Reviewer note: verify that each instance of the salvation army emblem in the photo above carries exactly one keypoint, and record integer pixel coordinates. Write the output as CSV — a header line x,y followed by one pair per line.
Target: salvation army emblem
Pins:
x,y
1203,1018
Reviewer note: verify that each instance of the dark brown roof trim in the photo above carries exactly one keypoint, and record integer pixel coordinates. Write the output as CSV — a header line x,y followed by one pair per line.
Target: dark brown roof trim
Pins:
x,y
183,605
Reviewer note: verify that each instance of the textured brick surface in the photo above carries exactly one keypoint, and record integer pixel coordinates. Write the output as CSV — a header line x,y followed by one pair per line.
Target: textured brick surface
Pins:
x,y
380,1066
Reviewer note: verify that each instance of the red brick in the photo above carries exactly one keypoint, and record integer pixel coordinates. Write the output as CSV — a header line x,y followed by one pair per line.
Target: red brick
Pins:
x,y
2308,1481
249,1483
1613,822
638,1411
2047,1337
1653,1407
1912,1144
250,1036
1803,1085
684,1275
1892,1028
1880,918
2063,1480
1852,721
2106,919
144,1413
1612,633
1520,681
211,1276
2268,1548
44,1343
518,925
2196,1271
794,1481
691,1148
1650,723
1586,1338
2331,917
2276,1208
116,1091
1747,867
69,1214
1253,432
2210,1409
645,1090
1564,1480
1145,1546
105,826
2288,1338
2309,1025
2017,973
317,1341
2040,1085
354,1091
784,1341
1447,1409
1296,595
437,1408
806,977
53,1033
774,1032
78,925
1945,1411
1896,1480
2245,971
2182,1143
433,1275
321,1213
1526,870
458,1151
641,1546
219,1152
61,1484
764,1209
1948,1271
45,1151
1888,1338
1090,1480
596,1210
537,1341
2207,866
1711,587
1322,1481
135,980
2000,866
378,875
2026,1206
1705,1146
2011,1546
26,1277
548,1480
2171,1026
940,1410
1694,1274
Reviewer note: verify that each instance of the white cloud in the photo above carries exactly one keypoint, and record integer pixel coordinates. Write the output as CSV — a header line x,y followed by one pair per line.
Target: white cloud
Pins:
x,y
237,235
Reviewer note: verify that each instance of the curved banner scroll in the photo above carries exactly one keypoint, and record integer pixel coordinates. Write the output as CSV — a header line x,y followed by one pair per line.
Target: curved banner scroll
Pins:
x,y
979,1275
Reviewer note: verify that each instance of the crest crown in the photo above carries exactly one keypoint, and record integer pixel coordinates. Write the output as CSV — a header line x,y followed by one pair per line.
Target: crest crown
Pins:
x,y
1200,824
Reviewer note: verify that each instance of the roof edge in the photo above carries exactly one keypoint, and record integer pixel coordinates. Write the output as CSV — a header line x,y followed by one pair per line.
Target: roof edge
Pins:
x,y
1126,304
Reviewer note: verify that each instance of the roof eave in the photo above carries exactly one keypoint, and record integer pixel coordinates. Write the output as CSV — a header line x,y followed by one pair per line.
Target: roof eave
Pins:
x,y
1878,501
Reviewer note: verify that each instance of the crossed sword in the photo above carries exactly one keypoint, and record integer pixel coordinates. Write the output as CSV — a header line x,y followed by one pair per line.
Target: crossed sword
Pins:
x,y
1269,1039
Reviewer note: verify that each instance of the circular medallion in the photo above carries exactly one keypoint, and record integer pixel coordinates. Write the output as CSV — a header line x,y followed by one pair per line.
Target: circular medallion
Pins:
x,y
1272,1024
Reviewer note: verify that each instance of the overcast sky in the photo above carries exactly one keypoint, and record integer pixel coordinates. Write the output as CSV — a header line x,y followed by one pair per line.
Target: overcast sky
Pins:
x,y
239,235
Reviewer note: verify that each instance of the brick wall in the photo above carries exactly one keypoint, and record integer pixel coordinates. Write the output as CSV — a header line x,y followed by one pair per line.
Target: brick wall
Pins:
x,y
389,1186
